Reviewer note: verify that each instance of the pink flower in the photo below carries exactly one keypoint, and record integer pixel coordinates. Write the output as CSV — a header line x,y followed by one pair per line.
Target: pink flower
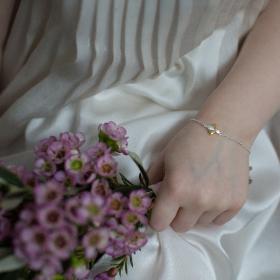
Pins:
x,y
50,266
112,223
94,207
76,163
74,212
117,245
139,201
98,150
87,175
50,192
101,187
34,239
50,216
94,241
106,166
116,249
61,243
135,240
114,136
119,233
28,215
42,147
67,180
130,219
29,179
72,140
44,167
115,204
57,152
78,271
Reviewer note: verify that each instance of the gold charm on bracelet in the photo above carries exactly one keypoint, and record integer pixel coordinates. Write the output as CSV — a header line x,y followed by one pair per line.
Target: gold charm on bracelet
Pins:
x,y
212,129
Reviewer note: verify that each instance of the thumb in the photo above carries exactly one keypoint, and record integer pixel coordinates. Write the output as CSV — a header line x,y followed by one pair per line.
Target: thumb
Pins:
x,y
155,187
156,170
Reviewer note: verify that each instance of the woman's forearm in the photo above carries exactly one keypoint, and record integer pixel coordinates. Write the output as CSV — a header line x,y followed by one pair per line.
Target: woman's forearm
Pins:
x,y
250,94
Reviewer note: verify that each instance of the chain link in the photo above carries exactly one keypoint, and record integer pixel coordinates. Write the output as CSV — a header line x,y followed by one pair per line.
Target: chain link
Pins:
x,y
211,129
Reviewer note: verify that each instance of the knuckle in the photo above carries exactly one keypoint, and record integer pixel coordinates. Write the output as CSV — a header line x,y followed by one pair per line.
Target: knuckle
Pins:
x,y
203,200
222,205
237,204
175,191
224,201
175,188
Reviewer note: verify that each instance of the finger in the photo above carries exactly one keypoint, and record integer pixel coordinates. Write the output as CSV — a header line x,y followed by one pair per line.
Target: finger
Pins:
x,y
207,217
185,219
224,217
155,187
156,170
164,209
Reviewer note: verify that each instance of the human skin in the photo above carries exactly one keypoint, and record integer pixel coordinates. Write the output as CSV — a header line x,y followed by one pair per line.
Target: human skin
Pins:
x,y
204,179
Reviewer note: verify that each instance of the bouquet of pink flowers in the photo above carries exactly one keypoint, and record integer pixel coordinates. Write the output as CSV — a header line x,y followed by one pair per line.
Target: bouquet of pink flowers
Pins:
x,y
58,220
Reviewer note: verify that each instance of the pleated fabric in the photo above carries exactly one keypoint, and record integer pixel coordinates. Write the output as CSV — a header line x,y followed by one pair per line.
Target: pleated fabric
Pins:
x,y
72,49
148,65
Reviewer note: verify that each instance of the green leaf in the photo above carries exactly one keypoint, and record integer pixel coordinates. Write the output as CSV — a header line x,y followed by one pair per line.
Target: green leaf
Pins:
x,y
127,189
125,266
135,157
11,203
77,261
58,277
10,178
138,162
10,263
120,258
141,179
103,137
4,251
130,260
14,190
14,275
125,180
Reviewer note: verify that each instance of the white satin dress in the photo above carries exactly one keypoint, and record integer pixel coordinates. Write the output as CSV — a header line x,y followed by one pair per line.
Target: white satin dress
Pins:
x,y
148,65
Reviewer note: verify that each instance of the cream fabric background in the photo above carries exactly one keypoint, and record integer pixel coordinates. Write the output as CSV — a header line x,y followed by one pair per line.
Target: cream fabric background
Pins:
x,y
149,65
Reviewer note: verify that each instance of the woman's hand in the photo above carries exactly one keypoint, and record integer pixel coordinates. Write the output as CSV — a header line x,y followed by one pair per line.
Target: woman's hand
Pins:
x,y
206,177
205,180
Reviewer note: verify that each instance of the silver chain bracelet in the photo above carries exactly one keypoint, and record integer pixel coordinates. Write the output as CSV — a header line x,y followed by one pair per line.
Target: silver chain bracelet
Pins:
x,y
212,129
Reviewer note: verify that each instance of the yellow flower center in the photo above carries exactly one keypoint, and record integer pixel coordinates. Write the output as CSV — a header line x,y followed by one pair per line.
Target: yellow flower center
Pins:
x,y
106,168
93,209
136,201
115,204
94,240
76,165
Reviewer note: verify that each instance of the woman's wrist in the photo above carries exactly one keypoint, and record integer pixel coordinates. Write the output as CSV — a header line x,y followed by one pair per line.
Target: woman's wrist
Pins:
x,y
249,96
212,129
230,118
